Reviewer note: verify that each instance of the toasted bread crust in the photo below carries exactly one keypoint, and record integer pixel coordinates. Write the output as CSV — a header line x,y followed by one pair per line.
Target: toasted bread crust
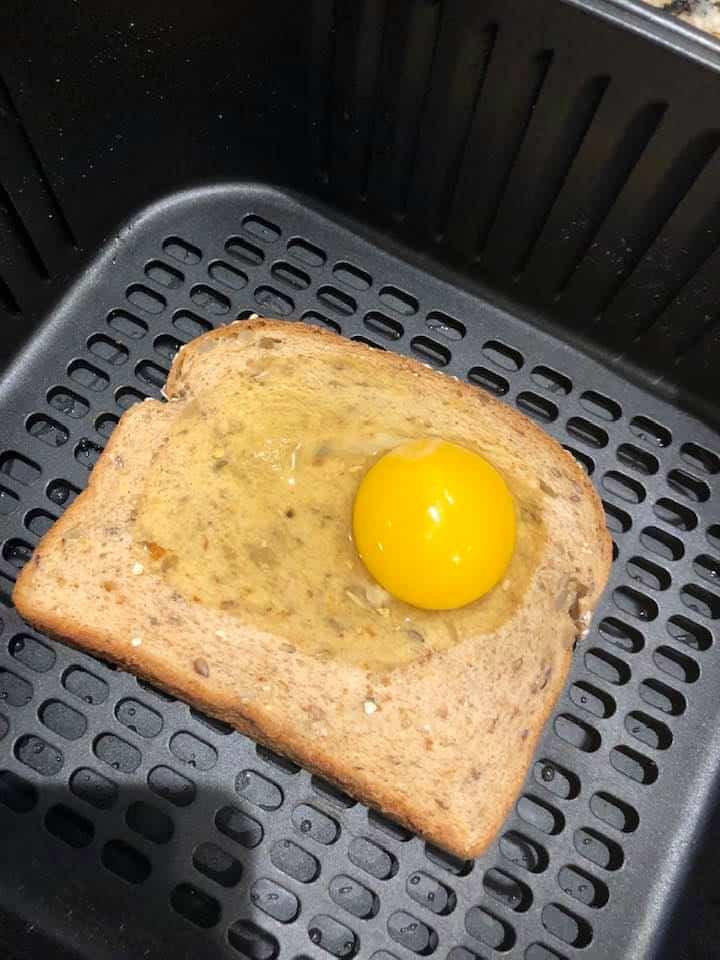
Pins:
x,y
468,776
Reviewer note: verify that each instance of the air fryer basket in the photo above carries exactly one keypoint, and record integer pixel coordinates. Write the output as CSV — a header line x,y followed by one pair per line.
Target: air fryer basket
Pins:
x,y
524,195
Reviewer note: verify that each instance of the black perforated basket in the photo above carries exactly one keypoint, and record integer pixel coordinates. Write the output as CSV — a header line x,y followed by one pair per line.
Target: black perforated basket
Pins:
x,y
522,194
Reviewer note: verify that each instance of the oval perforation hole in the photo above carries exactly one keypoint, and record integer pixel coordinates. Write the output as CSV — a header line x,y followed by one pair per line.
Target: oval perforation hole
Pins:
x,y
189,324
707,567
523,852
264,753
662,543
621,635
383,325
566,925
598,849
639,460
551,380
372,858
228,276
340,941
701,601
151,374
447,862
634,765
139,718
295,861
258,790
38,522
352,276
445,326
700,458
577,733
594,701
389,827
127,397
88,376
600,406
662,697
537,407
690,487
433,353
273,302
368,342
94,788
105,424
218,865
244,251
316,824
206,298
489,929
16,793
614,812
67,825
62,719
692,634
490,381
398,301
239,826
164,275
586,462
145,299
503,355
583,887
676,665
648,731
337,301
713,536
673,513
635,604
87,453
274,900
193,751
9,502
166,346
14,690
538,951
507,890
17,552
125,861
252,941
85,685
171,786
556,779
541,815
195,905
319,320
182,251
39,755
627,489
617,520
67,402
47,430
647,573
149,822
354,897
260,228
31,652
306,253
606,666
586,432
291,276
650,431
117,753
127,324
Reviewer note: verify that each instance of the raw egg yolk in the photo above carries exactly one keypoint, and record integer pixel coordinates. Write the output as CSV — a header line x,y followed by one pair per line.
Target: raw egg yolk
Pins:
x,y
434,523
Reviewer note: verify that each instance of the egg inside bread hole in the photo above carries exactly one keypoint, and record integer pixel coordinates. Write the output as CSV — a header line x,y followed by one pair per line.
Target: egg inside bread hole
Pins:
x,y
254,490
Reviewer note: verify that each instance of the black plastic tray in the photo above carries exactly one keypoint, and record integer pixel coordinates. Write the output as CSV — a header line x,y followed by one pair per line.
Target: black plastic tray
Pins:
x,y
135,827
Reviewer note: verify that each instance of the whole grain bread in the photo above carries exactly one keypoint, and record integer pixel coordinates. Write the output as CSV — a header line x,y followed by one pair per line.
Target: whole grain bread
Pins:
x,y
442,740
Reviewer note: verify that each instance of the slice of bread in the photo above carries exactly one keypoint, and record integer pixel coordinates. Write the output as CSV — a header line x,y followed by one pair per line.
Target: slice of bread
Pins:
x,y
211,553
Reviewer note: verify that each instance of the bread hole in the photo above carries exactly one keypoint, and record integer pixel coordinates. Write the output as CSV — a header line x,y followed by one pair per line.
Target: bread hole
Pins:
x,y
291,276
127,324
566,925
614,812
16,552
145,299
583,887
316,319
433,353
537,407
39,755
639,460
125,861
218,865
586,432
31,652
383,325
295,861
540,815
93,788
634,765
701,601
695,490
688,632
648,574
244,251
635,604
551,380
556,779
489,929
19,468
650,431
62,719
598,849
307,253
16,793
503,355
354,897
618,521
337,939
621,635
239,826
707,567
261,229
67,402
276,901
674,514
600,406
9,502
594,701
653,733
507,890
67,825
606,666
182,251
164,275
352,276
445,326
227,275
149,822
586,462
662,697
273,302
490,381
523,852
699,458
662,543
